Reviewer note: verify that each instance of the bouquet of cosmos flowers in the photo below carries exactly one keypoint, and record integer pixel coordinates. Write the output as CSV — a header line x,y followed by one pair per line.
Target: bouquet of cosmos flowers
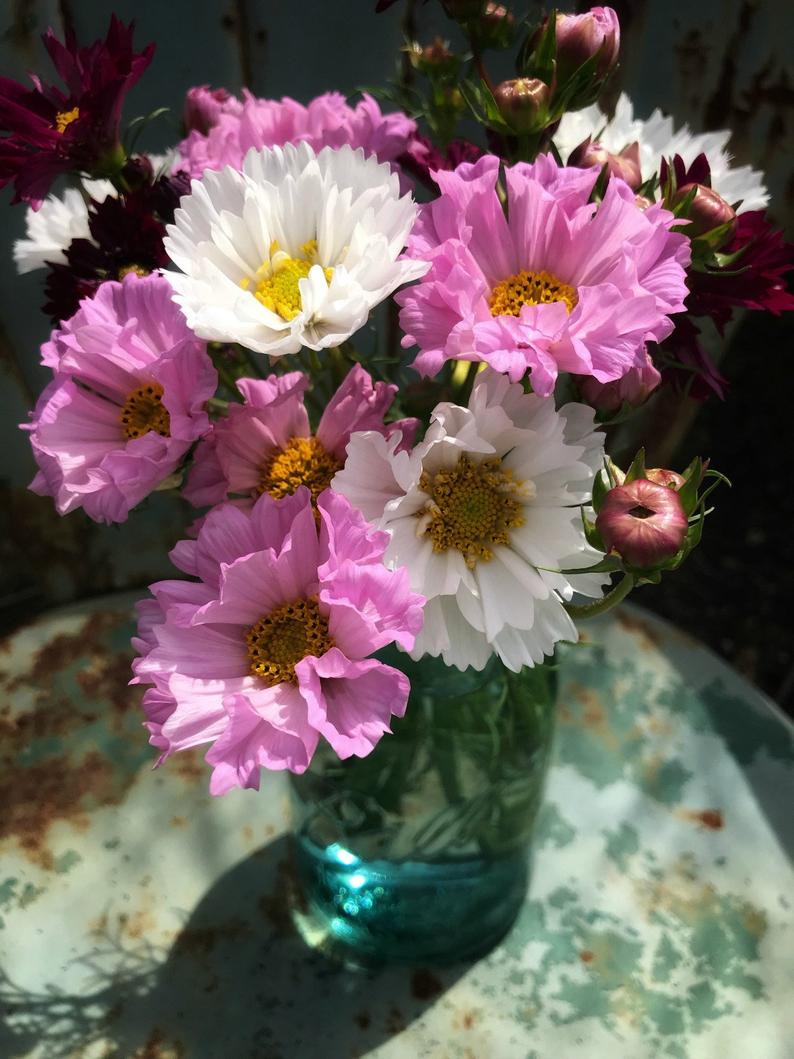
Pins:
x,y
380,360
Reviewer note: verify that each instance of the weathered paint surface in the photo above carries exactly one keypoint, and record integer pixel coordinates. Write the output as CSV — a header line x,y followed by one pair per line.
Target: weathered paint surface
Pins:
x,y
141,919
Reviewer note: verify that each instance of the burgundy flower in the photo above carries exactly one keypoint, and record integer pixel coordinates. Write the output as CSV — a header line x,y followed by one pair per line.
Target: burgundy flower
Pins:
x,y
49,130
423,157
126,236
756,280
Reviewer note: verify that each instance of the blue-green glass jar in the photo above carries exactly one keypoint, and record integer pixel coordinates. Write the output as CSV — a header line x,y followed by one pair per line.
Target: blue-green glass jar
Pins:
x,y
420,852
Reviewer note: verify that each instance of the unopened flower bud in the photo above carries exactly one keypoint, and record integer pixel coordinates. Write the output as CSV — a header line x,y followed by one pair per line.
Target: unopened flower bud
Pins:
x,y
634,388
496,26
661,476
707,211
625,165
433,58
580,37
521,101
644,523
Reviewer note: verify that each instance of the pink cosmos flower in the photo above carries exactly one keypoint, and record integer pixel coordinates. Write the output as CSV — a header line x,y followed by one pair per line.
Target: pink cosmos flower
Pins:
x,y
127,401
266,444
268,649
327,121
557,284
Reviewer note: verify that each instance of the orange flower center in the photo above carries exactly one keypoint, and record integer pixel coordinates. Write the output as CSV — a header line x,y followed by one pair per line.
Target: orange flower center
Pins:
x,y
530,288
279,640
65,117
302,461
144,411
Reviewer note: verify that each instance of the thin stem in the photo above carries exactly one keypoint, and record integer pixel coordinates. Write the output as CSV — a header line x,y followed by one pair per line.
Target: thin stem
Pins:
x,y
479,66
607,602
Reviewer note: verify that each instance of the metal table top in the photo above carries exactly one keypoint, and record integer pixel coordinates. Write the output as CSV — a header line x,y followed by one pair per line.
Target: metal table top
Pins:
x,y
142,919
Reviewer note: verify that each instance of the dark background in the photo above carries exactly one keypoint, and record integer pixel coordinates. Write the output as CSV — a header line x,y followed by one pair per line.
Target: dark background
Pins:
x,y
715,64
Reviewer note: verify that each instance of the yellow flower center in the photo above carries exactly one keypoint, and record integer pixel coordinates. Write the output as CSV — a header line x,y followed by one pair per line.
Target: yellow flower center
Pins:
x,y
530,288
472,507
139,270
276,283
66,117
277,642
144,411
302,461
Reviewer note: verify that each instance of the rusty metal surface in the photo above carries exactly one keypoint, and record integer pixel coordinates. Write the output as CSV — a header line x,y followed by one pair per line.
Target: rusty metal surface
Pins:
x,y
141,919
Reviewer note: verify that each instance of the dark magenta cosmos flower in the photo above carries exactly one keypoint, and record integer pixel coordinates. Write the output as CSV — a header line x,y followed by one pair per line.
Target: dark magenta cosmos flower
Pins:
x,y
49,130
126,235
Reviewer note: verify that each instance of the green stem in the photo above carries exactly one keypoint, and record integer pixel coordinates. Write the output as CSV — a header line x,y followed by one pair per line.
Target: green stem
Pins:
x,y
607,602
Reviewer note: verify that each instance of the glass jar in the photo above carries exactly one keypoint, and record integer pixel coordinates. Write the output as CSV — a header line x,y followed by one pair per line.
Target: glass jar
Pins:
x,y
419,853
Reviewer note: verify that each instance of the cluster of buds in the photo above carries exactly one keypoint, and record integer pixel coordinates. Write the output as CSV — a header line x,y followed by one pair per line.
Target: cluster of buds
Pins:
x,y
563,66
649,520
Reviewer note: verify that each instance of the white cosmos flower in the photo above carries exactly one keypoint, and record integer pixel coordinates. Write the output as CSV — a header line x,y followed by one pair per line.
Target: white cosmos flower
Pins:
x,y
293,251
483,513
658,138
52,227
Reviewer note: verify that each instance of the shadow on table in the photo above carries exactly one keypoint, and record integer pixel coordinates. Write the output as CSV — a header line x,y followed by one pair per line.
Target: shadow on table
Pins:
x,y
237,982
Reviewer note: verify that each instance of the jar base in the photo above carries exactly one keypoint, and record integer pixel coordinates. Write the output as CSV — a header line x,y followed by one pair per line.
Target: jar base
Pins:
x,y
369,913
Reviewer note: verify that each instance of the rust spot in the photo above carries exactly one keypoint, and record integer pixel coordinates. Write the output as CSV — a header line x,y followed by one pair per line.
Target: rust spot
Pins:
x,y
275,906
64,649
178,821
34,797
395,1021
248,833
136,925
425,985
708,818
194,942
363,1020
646,633
106,679
189,766
469,1019
587,956
159,1046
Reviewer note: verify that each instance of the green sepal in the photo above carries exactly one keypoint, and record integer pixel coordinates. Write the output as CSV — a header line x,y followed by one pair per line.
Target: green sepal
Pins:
x,y
540,61
137,125
592,535
610,564
483,106
637,468
601,488
688,493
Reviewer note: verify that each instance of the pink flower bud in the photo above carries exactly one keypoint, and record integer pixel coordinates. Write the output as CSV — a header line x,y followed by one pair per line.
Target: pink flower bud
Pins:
x,y
662,476
579,37
634,388
643,522
707,211
625,165
203,107
521,101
